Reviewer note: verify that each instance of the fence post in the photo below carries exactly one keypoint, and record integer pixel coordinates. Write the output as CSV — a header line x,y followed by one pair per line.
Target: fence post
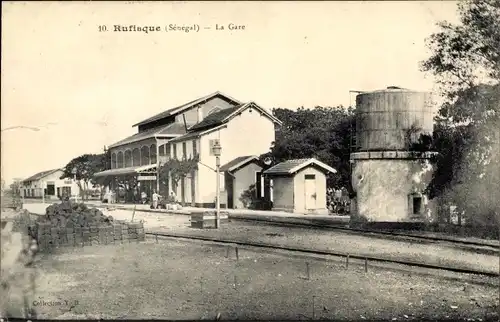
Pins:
x,y
314,313
308,274
366,265
237,254
347,262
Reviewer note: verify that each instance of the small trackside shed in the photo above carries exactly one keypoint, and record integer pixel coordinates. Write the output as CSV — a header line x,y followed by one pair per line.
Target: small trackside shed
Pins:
x,y
300,185
239,174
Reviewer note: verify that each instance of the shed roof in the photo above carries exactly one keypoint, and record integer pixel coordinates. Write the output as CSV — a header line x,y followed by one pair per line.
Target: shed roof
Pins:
x,y
40,175
173,129
238,162
292,166
186,106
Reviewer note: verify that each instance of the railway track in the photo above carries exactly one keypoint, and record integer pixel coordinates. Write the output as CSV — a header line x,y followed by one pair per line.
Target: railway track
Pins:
x,y
324,253
333,253
399,235
374,233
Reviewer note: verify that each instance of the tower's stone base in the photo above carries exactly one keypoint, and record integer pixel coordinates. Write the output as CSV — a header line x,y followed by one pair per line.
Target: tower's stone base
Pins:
x,y
390,188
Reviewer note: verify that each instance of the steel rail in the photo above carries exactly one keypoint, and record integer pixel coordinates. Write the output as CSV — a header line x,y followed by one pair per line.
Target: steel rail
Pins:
x,y
366,231
327,253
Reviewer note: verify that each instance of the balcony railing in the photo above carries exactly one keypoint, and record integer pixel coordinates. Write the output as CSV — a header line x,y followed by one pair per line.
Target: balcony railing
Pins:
x,y
159,159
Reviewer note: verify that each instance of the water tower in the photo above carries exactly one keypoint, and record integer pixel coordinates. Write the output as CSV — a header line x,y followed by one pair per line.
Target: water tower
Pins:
x,y
389,174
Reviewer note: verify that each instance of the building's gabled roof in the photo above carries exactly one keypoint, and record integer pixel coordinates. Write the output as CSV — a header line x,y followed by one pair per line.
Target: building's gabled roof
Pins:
x,y
171,130
183,107
40,175
259,108
219,119
215,119
227,114
238,162
292,166
196,134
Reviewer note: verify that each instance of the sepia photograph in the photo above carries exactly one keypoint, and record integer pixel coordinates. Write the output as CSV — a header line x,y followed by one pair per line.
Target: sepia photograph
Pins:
x,y
250,160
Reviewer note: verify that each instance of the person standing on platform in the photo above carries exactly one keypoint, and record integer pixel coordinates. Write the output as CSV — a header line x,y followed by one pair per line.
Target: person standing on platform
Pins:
x,y
155,199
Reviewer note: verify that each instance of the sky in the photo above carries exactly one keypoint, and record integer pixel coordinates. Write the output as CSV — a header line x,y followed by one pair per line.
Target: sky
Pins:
x,y
84,89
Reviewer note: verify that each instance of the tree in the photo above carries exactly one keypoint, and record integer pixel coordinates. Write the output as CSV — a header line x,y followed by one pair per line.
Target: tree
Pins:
x,y
15,187
85,166
466,62
177,170
467,54
322,132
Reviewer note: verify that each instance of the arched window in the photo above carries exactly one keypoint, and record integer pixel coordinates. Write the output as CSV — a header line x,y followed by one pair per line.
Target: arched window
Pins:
x,y
152,153
113,161
145,155
119,160
128,158
167,150
136,157
161,150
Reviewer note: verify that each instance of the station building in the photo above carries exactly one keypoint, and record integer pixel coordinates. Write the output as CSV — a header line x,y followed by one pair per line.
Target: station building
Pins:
x,y
187,131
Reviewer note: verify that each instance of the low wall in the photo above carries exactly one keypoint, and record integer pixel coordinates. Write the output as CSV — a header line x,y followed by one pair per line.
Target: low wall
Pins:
x,y
48,236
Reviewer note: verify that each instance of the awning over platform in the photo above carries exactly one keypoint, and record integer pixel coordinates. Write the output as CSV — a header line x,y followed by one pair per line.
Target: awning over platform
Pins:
x,y
145,169
150,168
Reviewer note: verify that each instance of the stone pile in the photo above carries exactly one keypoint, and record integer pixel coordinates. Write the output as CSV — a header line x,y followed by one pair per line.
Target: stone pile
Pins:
x,y
70,224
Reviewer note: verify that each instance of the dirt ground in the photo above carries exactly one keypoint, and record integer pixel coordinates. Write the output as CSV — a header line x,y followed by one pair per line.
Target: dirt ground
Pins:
x,y
193,280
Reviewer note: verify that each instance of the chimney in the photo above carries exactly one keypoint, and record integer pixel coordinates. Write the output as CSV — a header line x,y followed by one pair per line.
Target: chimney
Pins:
x,y
200,114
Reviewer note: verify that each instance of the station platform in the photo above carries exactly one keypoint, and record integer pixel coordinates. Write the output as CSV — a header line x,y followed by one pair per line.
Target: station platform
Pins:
x,y
159,217
39,208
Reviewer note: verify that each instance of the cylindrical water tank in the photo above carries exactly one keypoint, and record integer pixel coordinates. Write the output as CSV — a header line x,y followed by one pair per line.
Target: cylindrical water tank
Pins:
x,y
393,118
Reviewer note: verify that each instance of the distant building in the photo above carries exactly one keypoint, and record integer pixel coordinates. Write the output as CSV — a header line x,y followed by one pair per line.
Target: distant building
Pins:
x,y
49,182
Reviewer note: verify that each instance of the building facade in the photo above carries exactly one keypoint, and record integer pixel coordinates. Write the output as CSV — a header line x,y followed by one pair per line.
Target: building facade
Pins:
x,y
186,132
245,129
239,175
50,183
